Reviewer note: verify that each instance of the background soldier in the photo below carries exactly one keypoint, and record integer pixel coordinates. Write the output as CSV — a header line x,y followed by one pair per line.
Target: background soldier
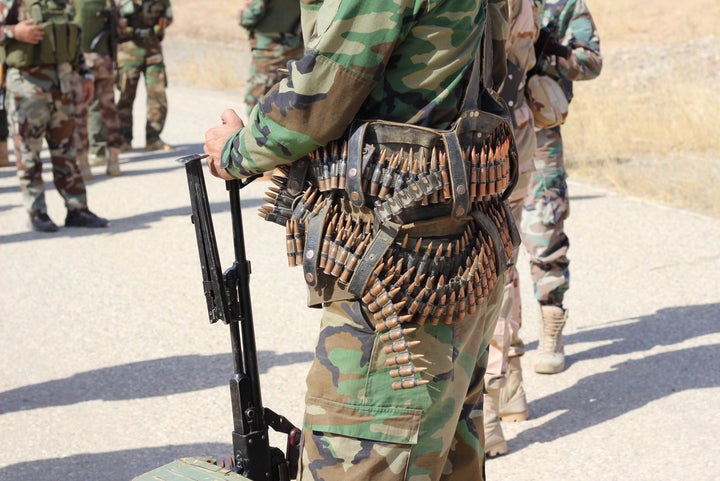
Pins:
x,y
143,22
40,62
568,49
274,34
400,62
98,20
505,397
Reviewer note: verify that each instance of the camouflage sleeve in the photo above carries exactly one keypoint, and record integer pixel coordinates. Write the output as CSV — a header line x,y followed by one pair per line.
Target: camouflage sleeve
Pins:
x,y
581,34
347,49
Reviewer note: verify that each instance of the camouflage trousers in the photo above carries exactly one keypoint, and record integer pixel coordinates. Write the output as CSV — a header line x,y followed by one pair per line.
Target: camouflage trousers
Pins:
x,y
545,209
133,61
357,427
505,341
39,109
80,133
103,123
270,53
540,206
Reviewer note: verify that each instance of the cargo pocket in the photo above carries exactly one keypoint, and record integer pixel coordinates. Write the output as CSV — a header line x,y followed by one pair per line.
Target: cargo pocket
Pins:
x,y
357,442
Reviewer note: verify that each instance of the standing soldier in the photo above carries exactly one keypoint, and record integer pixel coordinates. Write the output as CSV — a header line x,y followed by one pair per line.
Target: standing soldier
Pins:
x,y
274,33
40,46
399,225
143,23
505,396
568,49
98,20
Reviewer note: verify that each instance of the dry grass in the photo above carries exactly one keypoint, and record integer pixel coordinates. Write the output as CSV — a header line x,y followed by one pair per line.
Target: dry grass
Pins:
x,y
645,127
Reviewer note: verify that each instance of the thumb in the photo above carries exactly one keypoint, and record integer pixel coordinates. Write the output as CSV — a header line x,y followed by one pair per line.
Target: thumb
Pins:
x,y
231,118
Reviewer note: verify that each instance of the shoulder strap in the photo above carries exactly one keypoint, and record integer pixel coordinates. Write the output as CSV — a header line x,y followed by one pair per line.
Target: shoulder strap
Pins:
x,y
481,73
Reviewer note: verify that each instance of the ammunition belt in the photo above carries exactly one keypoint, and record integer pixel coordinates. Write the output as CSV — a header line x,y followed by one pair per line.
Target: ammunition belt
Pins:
x,y
419,233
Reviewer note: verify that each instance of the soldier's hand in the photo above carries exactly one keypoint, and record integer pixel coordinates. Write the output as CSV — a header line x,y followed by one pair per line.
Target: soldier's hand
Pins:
x,y
28,32
215,139
88,89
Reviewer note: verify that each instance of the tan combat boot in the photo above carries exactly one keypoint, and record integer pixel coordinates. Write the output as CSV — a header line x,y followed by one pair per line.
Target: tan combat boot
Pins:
x,y
513,404
4,159
113,165
495,444
550,357
84,166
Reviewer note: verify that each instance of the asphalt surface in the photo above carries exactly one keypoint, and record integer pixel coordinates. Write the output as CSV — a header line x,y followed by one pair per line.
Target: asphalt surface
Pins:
x,y
110,367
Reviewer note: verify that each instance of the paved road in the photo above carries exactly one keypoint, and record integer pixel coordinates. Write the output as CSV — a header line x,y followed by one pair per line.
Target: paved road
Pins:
x,y
111,368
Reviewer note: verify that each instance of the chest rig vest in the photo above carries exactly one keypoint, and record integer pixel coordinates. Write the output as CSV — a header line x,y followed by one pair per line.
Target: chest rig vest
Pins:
x,y
410,220
60,42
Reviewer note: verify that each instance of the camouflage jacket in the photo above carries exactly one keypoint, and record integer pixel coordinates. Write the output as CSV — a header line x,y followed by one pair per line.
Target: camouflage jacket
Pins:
x,y
397,60
577,30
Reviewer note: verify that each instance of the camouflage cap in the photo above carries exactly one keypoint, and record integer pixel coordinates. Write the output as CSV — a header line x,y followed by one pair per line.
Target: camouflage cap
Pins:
x,y
547,101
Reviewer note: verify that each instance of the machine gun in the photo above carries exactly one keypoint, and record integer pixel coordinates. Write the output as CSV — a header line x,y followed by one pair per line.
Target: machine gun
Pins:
x,y
228,300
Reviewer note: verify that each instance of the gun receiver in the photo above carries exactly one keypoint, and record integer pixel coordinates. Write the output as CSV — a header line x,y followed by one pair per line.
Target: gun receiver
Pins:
x,y
228,299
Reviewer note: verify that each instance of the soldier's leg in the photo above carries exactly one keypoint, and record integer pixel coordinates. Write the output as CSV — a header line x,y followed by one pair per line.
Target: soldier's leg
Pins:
x,y
130,66
66,175
101,66
29,113
545,210
80,133
357,426
503,399
155,83
107,121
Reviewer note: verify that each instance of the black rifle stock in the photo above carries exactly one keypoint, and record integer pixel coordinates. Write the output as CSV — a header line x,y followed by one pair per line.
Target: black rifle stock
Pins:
x,y
228,299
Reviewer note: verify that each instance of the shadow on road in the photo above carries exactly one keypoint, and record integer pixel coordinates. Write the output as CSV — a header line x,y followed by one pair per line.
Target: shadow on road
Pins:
x,y
157,377
112,466
634,383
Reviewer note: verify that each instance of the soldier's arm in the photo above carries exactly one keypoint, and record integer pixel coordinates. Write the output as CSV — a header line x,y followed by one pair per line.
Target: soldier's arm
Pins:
x,y
168,14
585,61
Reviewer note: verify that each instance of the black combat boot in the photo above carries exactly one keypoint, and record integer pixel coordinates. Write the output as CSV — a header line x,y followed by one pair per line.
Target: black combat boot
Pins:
x,y
84,218
41,222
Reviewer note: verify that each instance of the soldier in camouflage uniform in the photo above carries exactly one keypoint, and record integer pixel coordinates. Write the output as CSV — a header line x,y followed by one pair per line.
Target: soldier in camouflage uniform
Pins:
x,y
574,55
505,397
99,21
40,46
143,22
394,306
274,33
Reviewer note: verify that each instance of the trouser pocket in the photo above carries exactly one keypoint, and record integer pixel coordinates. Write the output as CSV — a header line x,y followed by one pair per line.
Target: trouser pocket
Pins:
x,y
342,441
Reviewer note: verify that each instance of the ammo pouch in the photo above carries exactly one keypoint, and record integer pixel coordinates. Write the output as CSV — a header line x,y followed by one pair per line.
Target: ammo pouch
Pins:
x,y
403,216
60,42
